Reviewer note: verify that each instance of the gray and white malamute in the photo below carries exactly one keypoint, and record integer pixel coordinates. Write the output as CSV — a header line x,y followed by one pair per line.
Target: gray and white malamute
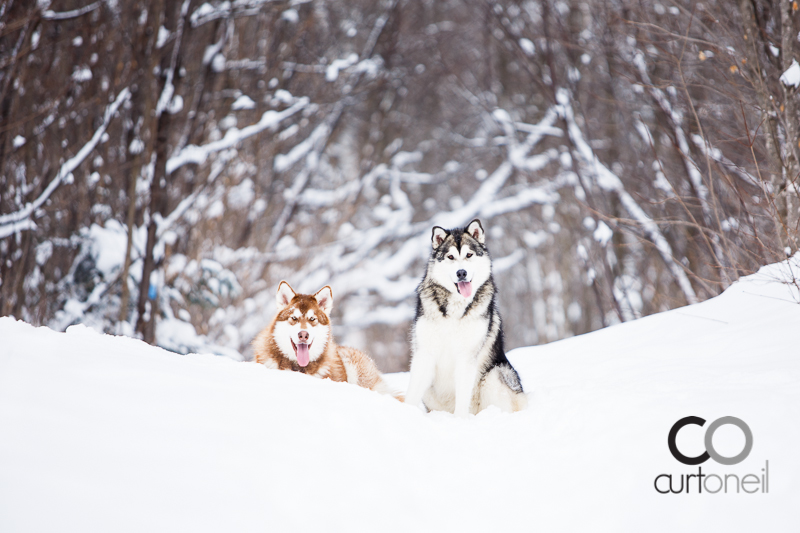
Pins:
x,y
458,362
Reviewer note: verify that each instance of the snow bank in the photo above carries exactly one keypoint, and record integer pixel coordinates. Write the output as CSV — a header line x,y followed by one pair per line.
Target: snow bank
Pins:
x,y
103,433
792,74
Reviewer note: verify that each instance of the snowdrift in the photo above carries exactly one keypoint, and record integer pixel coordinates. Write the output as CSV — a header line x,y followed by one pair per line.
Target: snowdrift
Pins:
x,y
102,433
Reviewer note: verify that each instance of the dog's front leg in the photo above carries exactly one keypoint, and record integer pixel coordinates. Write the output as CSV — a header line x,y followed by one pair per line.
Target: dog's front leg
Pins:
x,y
423,371
466,374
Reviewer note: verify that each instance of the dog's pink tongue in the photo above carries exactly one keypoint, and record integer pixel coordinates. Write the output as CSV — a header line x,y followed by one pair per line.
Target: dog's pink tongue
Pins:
x,y
303,357
465,288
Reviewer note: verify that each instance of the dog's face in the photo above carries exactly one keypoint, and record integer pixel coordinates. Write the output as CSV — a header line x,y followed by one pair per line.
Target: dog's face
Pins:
x,y
302,327
460,261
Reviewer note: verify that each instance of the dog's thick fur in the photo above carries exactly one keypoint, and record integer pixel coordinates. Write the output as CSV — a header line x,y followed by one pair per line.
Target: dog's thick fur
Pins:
x,y
304,319
458,361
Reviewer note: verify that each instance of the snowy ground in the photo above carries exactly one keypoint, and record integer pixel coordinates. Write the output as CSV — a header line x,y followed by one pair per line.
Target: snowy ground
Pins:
x,y
101,433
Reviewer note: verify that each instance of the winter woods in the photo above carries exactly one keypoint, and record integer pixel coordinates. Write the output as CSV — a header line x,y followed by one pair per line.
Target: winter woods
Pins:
x,y
164,164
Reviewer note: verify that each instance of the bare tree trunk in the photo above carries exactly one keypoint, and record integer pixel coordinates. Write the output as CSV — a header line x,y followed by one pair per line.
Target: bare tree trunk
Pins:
x,y
772,138
144,95
148,297
792,166
147,304
131,218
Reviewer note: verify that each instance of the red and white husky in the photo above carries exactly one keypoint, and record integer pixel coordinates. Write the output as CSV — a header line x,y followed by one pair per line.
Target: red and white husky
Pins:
x,y
299,338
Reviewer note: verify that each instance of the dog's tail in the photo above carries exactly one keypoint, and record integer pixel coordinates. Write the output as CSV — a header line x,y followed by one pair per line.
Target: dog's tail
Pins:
x,y
361,371
382,387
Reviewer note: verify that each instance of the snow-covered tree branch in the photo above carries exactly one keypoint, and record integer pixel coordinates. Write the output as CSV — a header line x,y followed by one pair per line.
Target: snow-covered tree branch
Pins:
x,y
12,223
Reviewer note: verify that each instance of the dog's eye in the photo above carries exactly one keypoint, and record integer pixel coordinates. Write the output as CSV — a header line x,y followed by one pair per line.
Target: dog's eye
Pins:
x,y
450,257
469,255
292,319
313,319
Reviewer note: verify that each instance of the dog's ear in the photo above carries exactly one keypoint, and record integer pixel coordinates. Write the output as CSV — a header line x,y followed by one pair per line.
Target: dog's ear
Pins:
x,y
285,295
475,231
438,236
324,298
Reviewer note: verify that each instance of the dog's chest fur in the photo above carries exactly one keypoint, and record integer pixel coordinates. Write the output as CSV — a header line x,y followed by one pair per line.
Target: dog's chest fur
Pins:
x,y
450,329
451,334
450,341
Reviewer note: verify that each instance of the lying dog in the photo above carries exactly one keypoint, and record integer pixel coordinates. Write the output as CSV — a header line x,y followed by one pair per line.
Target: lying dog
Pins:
x,y
458,361
299,338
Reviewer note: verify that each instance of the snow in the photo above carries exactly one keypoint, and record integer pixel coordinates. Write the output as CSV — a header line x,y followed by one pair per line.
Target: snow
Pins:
x,y
243,102
163,35
290,15
215,210
603,233
52,15
82,74
107,433
175,105
166,95
283,96
211,50
108,245
534,240
242,195
18,141
527,46
332,72
792,75
371,66
198,154
284,162
136,146
16,226
774,50
402,159
202,11
43,252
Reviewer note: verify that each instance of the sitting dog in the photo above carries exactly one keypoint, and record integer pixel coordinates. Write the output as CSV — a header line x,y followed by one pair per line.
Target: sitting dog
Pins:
x,y
299,338
458,362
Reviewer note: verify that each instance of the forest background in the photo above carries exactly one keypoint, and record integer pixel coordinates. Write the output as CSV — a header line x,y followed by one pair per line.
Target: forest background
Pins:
x,y
164,164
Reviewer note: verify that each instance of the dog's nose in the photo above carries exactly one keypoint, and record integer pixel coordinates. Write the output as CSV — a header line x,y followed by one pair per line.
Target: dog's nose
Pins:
x,y
303,336
462,275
